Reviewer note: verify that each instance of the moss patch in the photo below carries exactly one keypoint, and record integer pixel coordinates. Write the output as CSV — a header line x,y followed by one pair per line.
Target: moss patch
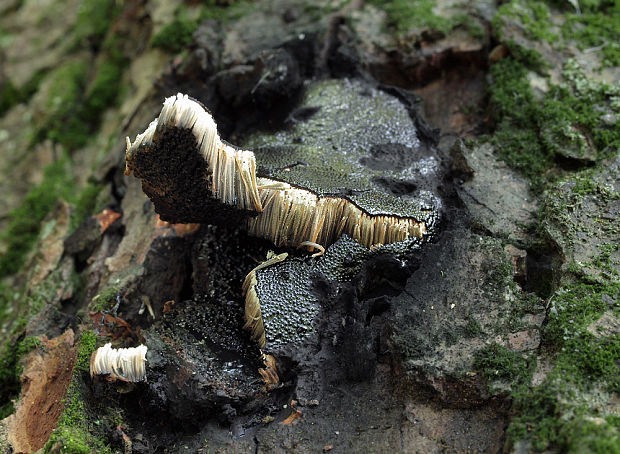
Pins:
x,y
9,96
86,204
534,17
77,431
62,122
25,221
569,120
496,362
93,21
105,300
598,26
406,15
11,354
175,36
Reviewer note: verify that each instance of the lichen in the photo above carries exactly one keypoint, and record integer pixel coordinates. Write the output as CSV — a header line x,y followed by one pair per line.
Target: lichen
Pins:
x,y
596,26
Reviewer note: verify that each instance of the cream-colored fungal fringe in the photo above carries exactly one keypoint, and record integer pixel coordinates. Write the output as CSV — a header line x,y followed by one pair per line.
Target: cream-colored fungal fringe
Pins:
x,y
292,216
288,216
253,315
233,171
127,364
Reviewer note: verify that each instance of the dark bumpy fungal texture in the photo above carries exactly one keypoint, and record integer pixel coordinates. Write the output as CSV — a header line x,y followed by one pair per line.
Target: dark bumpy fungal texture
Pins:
x,y
176,178
337,195
290,295
346,145
201,364
359,144
308,194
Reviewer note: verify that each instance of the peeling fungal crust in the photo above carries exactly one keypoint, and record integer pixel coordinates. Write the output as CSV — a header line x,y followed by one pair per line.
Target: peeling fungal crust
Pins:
x,y
253,315
233,171
287,215
292,216
126,364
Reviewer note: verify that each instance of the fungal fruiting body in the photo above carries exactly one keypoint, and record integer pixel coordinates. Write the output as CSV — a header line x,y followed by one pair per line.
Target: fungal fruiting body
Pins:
x,y
292,216
191,175
253,315
126,364
283,213
232,172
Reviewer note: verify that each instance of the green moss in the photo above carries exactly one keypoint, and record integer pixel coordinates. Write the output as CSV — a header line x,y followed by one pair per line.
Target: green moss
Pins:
x,y
496,362
105,300
567,216
405,15
74,105
24,223
533,16
88,343
9,378
175,36
104,90
568,120
212,9
86,204
62,123
76,431
584,372
11,354
513,105
548,414
592,435
523,304
472,328
9,96
574,307
93,21
598,26
538,413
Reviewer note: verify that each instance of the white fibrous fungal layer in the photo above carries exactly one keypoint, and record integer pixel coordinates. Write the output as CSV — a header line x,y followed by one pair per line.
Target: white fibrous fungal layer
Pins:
x,y
292,216
233,171
287,215
127,364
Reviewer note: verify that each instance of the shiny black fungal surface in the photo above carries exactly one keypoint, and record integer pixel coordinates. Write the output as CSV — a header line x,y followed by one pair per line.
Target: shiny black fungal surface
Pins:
x,y
294,292
357,138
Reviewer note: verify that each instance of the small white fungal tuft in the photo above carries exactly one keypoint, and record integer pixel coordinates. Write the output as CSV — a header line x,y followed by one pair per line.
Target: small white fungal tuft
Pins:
x,y
127,364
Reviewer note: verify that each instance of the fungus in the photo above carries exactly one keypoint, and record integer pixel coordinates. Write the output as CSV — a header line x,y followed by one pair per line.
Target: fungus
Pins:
x,y
192,175
126,364
283,213
253,316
